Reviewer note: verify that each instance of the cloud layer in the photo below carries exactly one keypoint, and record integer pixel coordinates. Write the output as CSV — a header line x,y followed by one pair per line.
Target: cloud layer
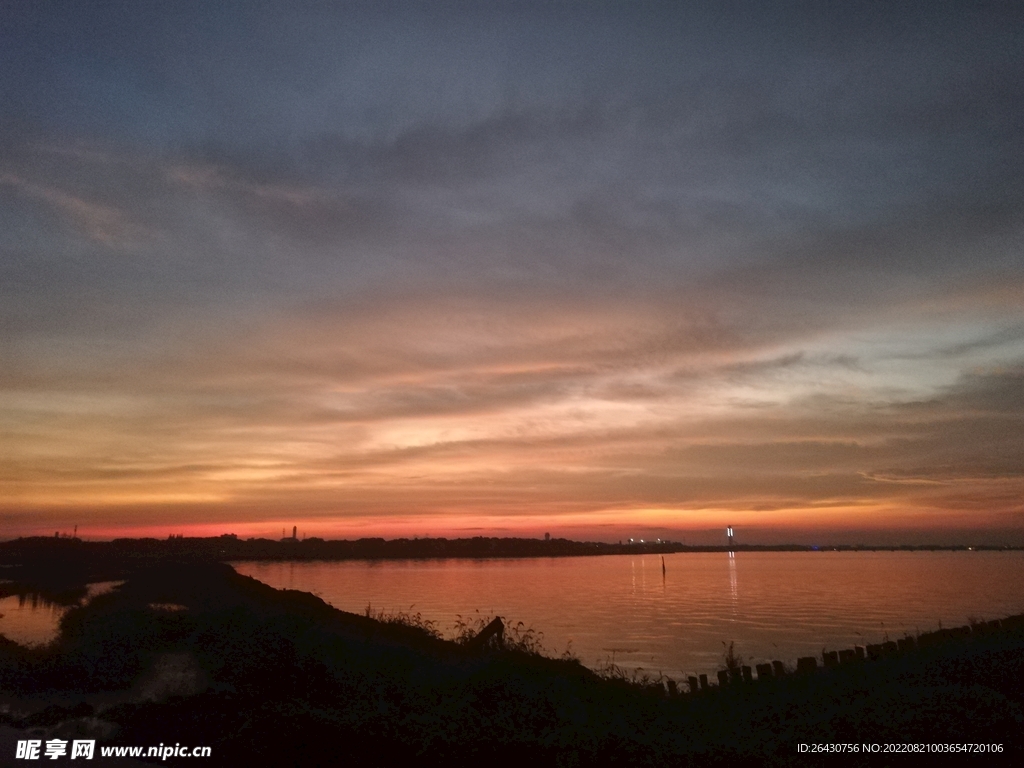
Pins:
x,y
500,267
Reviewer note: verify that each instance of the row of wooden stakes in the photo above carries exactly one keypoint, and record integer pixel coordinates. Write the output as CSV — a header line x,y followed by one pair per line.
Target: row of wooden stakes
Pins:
x,y
741,674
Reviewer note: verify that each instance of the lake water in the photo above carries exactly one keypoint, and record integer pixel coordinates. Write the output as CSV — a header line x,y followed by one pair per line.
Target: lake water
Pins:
x,y
31,620
621,609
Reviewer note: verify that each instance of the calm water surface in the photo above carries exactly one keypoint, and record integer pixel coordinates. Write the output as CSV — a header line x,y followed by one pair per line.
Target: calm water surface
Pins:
x,y
772,605
32,620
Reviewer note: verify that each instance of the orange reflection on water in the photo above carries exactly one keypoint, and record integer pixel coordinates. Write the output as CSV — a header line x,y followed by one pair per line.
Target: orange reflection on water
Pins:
x,y
772,605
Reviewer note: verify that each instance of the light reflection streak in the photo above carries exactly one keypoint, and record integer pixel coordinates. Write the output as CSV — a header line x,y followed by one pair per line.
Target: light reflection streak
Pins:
x,y
733,590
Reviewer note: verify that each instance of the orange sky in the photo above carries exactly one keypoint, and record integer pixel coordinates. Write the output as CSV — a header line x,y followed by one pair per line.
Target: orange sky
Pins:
x,y
600,273
510,419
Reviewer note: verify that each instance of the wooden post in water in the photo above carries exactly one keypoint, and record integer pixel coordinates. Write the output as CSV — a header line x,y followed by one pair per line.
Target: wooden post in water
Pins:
x,y
806,665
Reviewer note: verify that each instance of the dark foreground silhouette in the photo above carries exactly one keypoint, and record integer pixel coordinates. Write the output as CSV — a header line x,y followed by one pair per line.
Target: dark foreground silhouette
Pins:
x,y
194,653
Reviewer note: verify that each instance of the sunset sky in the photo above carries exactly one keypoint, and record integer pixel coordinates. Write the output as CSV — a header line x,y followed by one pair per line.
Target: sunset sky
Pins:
x,y
598,269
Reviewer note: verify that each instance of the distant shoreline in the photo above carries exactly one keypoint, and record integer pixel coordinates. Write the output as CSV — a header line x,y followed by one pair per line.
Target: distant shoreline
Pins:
x,y
228,548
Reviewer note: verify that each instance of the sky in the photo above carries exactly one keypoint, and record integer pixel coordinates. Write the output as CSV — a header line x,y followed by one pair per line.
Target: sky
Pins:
x,y
604,270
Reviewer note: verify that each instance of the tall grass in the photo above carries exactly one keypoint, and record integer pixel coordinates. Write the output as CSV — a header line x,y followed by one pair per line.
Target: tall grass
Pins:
x,y
404,619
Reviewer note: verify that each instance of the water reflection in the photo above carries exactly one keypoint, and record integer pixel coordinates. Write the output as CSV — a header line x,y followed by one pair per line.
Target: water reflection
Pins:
x,y
633,576
37,596
30,616
792,603
732,580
